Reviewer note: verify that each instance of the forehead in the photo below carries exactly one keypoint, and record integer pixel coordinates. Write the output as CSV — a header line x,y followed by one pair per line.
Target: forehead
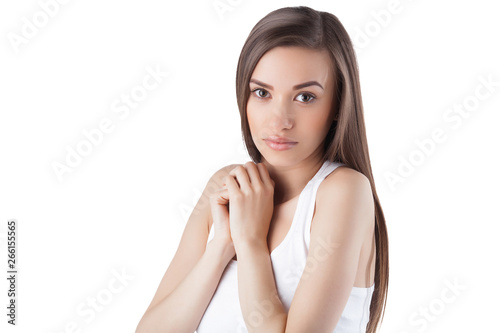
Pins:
x,y
285,66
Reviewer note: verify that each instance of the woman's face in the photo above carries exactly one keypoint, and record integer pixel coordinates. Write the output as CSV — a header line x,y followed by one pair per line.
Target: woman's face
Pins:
x,y
291,94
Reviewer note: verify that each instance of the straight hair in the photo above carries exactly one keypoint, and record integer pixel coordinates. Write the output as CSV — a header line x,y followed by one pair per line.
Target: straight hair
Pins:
x,y
346,140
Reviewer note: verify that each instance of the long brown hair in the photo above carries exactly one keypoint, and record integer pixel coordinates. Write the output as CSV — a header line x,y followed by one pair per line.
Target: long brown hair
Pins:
x,y
346,139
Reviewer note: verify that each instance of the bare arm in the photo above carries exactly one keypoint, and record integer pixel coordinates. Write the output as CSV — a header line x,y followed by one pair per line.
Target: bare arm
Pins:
x,y
183,308
193,274
261,306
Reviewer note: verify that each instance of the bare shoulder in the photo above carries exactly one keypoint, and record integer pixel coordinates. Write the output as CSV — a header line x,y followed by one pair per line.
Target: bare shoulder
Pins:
x,y
348,187
217,177
346,175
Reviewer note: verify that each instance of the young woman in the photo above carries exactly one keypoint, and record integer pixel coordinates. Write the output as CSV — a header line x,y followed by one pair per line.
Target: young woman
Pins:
x,y
295,240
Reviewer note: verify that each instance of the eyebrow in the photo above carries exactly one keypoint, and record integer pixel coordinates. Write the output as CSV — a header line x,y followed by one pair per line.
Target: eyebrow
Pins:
x,y
296,87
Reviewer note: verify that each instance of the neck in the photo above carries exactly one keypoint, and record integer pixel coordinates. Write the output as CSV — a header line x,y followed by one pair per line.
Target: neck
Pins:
x,y
290,180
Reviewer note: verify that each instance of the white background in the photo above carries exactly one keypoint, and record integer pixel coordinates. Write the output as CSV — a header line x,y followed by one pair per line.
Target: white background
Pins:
x,y
124,207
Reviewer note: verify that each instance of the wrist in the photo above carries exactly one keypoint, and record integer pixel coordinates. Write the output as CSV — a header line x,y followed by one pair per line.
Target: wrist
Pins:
x,y
244,247
223,248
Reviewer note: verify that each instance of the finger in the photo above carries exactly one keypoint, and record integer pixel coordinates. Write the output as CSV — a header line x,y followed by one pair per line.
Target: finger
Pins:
x,y
220,197
241,176
224,195
264,174
254,174
231,185
217,207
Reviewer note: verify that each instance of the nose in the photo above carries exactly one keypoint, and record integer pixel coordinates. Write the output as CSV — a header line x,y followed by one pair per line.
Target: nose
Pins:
x,y
281,116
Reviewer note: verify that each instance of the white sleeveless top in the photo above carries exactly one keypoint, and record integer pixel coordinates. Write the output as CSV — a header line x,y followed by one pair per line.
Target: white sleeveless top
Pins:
x,y
223,314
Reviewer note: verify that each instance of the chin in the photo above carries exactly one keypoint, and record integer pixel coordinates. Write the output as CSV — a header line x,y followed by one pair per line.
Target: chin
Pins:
x,y
279,159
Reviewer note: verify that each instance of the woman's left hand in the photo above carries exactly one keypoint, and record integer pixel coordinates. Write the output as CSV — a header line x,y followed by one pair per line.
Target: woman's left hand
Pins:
x,y
251,203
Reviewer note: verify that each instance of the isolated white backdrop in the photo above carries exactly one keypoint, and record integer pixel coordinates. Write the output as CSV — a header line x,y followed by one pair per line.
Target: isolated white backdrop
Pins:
x,y
122,209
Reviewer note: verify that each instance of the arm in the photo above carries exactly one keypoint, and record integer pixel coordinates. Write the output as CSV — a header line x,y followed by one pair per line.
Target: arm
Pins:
x,y
251,208
194,273
183,308
260,304
345,215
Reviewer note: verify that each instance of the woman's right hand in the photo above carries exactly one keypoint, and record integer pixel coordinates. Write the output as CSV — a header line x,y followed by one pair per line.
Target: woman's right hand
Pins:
x,y
219,201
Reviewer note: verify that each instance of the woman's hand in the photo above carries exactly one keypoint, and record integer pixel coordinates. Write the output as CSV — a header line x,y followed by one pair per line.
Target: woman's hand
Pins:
x,y
219,206
251,196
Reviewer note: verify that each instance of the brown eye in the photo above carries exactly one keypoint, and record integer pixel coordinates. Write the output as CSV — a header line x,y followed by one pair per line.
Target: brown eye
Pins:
x,y
310,97
261,93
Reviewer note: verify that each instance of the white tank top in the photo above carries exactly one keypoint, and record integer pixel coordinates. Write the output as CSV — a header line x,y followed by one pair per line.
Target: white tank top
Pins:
x,y
223,314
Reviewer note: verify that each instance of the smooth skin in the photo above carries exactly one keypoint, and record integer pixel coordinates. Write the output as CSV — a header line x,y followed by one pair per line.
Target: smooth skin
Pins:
x,y
303,115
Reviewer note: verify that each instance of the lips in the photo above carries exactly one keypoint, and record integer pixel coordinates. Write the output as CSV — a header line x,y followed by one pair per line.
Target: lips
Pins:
x,y
279,143
279,139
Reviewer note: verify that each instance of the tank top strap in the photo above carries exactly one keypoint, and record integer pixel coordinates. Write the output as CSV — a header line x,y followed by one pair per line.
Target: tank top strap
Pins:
x,y
304,222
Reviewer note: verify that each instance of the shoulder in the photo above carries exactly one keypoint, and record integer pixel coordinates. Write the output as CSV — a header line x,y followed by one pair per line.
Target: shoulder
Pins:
x,y
345,179
347,190
222,172
217,179
346,176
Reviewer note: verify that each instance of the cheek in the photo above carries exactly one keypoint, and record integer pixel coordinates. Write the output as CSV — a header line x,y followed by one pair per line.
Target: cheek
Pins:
x,y
253,117
315,124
